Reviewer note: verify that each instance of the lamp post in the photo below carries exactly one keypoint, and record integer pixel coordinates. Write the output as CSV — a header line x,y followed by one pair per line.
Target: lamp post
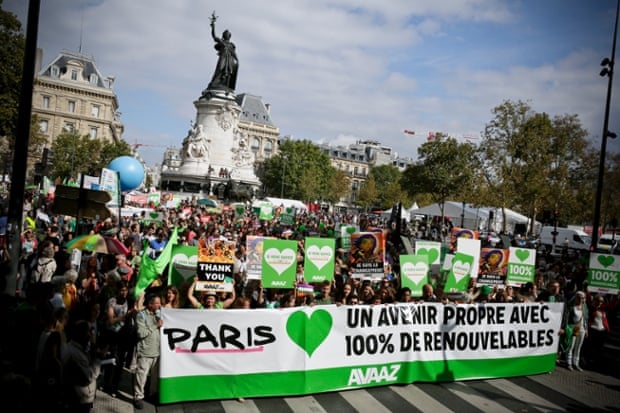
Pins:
x,y
608,70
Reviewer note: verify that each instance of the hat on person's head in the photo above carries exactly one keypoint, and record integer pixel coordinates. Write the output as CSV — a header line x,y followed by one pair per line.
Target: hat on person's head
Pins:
x,y
123,270
485,290
581,293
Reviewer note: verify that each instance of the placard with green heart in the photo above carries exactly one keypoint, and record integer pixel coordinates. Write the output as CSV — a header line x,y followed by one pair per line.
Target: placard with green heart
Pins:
x,y
319,259
308,332
183,264
279,263
604,274
430,248
521,266
265,212
414,272
460,273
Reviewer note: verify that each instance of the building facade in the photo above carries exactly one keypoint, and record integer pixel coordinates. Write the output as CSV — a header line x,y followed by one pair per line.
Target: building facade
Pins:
x,y
357,159
71,95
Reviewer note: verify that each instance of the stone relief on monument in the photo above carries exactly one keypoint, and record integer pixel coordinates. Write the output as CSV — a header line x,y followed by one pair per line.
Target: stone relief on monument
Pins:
x,y
196,144
242,156
225,118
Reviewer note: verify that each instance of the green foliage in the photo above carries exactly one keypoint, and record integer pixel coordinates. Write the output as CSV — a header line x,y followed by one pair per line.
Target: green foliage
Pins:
x,y
300,171
75,154
12,45
444,171
531,162
368,194
387,180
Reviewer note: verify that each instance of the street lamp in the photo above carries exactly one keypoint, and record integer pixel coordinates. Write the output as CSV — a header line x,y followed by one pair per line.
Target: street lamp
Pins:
x,y
608,70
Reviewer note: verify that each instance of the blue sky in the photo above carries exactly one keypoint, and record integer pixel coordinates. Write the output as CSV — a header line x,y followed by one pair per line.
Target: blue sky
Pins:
x,y
337,71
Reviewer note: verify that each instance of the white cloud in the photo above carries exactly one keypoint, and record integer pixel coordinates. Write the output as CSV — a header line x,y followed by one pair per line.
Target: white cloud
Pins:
x,y
336,69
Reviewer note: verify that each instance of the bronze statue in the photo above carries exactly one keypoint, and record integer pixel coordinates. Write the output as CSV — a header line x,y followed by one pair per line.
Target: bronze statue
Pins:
x,y
225,75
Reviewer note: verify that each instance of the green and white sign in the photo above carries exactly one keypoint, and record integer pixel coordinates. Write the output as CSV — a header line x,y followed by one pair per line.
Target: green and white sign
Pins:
x,y
414,272
239,209
431,249
265,211
460,273
521,266
604,273
279,263
345,231
183,263
154,198
308,350
287,216
319,260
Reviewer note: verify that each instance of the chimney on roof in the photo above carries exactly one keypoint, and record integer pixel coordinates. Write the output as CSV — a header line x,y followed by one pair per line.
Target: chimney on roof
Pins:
x,y
37,61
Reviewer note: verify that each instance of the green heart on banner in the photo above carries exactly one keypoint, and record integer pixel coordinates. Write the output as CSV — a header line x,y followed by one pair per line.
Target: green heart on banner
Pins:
x,y
309,332
605,260
350,230
154,215
289,210
240,210
431,254
522,255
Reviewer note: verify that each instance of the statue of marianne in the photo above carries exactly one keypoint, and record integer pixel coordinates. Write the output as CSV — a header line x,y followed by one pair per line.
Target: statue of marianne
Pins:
x,y
225,75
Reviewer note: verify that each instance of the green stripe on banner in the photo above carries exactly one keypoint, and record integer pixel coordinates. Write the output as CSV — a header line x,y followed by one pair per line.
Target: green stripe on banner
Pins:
x,y
188,388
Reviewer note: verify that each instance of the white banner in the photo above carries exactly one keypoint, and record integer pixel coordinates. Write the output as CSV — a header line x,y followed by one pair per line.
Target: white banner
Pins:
x,y
326,348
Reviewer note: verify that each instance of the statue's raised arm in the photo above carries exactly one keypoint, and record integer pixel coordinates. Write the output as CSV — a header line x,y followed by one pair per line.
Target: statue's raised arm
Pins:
x,y
225,74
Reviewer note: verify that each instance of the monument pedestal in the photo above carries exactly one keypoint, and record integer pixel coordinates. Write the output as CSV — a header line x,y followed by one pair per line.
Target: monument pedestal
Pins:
x,y
215,156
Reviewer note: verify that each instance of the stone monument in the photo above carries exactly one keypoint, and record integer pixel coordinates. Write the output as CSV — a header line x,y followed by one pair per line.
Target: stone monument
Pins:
x,y
216,158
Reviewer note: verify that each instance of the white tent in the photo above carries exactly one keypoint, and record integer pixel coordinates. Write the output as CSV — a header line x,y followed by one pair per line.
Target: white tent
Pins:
x,y
404,214
276,202
474,217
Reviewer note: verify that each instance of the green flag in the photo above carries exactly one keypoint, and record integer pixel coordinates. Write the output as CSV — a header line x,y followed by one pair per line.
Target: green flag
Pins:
x,y
151,268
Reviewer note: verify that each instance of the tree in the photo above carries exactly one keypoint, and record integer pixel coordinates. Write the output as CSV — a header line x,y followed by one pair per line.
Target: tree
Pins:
x,y
530,161
12,46
337,186
368,194
301,171
75,154
387,181
444,170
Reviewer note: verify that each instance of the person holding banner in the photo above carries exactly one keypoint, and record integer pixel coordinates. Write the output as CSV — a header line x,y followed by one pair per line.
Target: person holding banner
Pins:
x,y
148,325
598,329
575,329
208,299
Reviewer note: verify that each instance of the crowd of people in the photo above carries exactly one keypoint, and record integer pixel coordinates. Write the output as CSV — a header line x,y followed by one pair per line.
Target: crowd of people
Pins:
x,y
76,329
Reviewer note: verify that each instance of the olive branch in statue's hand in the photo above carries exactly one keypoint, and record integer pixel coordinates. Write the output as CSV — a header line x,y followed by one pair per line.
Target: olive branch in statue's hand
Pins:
x,y
213,18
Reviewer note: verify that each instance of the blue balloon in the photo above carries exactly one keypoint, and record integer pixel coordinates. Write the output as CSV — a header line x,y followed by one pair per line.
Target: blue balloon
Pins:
x,y
130,170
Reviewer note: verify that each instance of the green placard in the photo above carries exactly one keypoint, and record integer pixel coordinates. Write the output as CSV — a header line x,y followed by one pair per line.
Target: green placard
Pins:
x,y
521,266
604,273
414,272
460,273
279,263
183,262
319,260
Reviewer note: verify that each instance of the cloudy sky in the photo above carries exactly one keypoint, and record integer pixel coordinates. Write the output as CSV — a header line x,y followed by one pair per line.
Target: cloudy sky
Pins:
x,y
341,70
